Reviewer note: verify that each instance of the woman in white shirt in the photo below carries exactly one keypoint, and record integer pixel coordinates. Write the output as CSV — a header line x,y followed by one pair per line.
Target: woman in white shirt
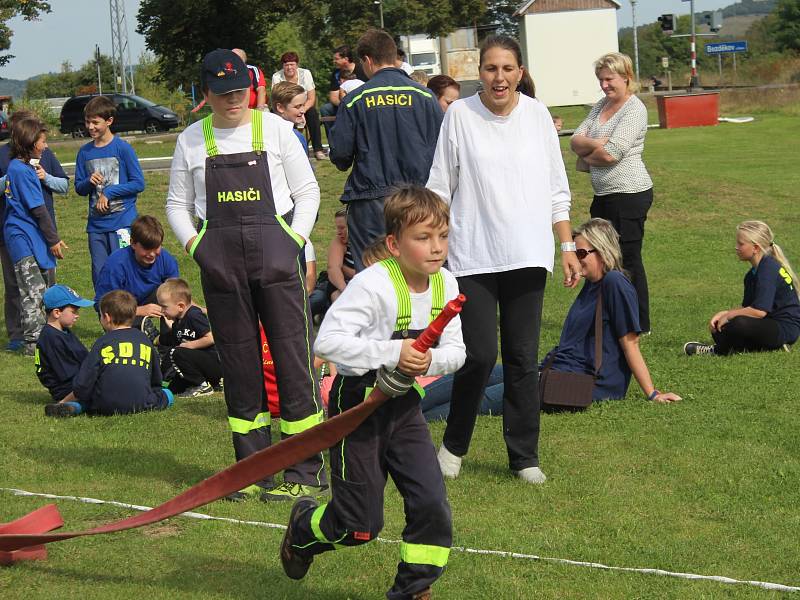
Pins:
x,y
498,165
292,72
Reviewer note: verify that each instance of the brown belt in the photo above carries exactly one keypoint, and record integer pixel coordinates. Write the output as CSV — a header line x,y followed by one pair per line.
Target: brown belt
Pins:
x,y
24,538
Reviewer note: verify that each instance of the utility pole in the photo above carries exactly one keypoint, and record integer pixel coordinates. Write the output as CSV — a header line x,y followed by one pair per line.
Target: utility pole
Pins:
x,y
635,40
97,59
120,49
693,83
380,9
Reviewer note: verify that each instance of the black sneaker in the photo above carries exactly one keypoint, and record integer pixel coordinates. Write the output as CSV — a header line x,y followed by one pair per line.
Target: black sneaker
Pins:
x,y
65,409
220,387
696,348
288,491
204,389
294,565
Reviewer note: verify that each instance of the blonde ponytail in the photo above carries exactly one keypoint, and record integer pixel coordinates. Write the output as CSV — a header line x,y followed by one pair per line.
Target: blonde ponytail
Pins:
x,y
781,258
759,233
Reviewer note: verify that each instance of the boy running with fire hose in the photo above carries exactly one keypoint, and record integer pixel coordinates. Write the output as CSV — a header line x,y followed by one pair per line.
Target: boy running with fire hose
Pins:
x,y
368,333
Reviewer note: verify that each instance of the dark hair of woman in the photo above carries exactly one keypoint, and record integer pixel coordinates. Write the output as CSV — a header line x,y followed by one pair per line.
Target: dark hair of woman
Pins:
x,y
502,41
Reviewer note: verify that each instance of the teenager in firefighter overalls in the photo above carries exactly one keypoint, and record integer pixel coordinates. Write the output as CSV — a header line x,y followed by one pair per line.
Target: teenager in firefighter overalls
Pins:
x,y
249,260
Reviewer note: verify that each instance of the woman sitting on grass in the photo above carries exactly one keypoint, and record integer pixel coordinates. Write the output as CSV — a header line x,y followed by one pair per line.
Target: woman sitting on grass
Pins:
x,y
598,250
769,318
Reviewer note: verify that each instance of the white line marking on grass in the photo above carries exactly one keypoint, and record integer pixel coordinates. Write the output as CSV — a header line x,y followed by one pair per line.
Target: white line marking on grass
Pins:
x,y
501,553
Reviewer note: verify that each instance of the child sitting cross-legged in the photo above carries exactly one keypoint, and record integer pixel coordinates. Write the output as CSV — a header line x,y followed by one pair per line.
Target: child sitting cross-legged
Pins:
x,y
368,333
194,359
121,374
59,353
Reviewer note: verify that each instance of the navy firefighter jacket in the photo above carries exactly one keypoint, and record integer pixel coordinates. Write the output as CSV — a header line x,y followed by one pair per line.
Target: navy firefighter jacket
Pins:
x,y
387,130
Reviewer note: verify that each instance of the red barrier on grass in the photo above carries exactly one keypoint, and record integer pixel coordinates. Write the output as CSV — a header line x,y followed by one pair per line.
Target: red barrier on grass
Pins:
x,y
23,539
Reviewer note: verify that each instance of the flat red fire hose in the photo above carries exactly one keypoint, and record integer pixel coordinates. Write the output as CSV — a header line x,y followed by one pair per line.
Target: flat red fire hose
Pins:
x,y
24,538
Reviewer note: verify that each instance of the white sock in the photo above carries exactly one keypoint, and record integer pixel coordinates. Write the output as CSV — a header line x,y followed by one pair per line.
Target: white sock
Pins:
x,y
531,475
449,463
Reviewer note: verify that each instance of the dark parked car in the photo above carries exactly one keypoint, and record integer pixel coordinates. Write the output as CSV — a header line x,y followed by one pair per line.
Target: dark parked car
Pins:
x,y
133,113
5,130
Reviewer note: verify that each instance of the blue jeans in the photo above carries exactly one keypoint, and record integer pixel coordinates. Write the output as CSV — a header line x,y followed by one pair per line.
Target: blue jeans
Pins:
x,y
328,110
436,403
101,245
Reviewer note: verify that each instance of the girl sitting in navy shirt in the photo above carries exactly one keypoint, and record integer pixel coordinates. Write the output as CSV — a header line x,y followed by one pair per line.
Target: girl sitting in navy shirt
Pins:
x,y
769,317
597,247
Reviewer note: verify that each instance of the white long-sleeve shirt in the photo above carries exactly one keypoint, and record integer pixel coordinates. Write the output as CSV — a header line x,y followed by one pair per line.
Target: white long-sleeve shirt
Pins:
x,y
292,179
355,334
505,182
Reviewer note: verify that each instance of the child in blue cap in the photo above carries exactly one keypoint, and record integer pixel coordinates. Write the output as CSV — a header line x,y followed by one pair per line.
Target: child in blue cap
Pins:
x,y
59,353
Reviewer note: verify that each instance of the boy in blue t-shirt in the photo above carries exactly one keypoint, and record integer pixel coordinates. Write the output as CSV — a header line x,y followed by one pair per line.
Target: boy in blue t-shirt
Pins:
x,y
139,268
121,374
59,353
107,170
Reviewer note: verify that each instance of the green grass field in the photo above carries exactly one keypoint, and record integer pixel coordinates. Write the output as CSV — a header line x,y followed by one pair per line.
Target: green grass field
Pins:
x,y
706,486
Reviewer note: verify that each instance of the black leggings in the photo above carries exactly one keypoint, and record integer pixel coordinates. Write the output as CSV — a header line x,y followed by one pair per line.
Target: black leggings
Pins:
x,y
312,122
627,213
518,294
748,334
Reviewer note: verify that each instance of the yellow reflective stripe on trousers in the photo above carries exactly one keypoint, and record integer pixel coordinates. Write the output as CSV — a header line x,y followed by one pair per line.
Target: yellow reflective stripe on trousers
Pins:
x,y
197,239
244,426
316,517
292,427
421,554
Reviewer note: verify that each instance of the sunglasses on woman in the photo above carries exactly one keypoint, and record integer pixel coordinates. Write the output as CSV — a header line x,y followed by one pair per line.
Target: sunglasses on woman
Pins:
x,y
583,253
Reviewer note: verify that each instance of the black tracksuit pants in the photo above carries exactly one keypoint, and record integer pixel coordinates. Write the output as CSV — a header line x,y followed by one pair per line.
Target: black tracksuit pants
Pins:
x,y
628,213
393,441
519,294
192,367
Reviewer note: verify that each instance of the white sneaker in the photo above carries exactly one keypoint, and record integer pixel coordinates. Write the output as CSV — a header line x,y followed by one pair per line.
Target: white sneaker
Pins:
x,y
449,463
531,475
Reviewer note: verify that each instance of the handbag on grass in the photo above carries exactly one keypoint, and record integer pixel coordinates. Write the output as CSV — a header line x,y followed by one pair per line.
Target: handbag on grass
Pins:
x,y
558,389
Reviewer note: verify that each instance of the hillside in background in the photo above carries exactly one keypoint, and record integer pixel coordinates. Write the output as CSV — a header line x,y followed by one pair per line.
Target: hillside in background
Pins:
x,y
13,87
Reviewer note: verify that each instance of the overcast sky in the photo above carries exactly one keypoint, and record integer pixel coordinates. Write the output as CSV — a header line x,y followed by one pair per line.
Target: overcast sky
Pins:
x,y
72,29
69,32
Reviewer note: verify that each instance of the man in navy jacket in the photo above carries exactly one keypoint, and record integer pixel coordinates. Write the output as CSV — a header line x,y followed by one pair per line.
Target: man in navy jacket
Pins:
x,y
387,131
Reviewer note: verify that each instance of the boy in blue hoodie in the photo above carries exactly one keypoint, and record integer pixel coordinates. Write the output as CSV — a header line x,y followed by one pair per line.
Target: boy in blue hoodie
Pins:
x,y
107,171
